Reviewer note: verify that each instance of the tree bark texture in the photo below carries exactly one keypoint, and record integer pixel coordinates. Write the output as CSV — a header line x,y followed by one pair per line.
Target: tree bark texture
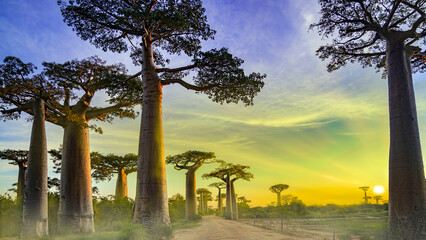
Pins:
x,y
278,199
228,213
121,185
191,195
75,204
151,202
21,182
205,204
219,202
234,202
406,174
35,211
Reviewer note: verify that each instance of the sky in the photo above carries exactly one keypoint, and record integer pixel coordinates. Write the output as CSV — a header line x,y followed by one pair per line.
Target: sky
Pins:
x,y
324,134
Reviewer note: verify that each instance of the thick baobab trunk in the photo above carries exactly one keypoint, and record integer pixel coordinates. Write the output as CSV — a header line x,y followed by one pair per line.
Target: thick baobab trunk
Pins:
x,y
21,182
407,216
205,204
35,211
151,203
75,204
234,202
278,199
228,213
121,185
219,202
191,197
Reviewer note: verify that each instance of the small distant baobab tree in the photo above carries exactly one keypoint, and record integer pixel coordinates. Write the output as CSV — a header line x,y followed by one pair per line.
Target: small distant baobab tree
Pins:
x,y
105,166
175,27
277,189
365,189
219,186
191,161
387,34
229,173
204,196
377,198
20,158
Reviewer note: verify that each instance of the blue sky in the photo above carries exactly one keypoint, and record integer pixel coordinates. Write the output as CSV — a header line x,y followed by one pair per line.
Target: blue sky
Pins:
x,y
324,134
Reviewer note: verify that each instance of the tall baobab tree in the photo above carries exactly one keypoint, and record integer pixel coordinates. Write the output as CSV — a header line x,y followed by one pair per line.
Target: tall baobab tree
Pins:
x,y
20,158
387,33
365,189
219,186
191,161
229,173
277,189
175,27
23,91
85,77
105,166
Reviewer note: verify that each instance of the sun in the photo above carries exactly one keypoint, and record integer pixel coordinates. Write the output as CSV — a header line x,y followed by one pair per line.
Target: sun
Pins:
x,y
378,189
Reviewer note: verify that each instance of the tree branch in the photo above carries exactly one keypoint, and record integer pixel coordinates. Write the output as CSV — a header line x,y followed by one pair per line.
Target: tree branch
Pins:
x,y
417,8
99,112
25,107
173,70
187,85
391,14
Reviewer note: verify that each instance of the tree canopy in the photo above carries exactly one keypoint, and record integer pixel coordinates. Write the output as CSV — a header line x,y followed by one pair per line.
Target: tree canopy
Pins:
x,y
172,26
20,86
361,28
190,159
277,188
104,166
233,171
15,157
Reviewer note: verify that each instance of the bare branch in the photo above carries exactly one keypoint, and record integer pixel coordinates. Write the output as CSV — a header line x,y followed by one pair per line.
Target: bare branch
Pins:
x,y
25,107
188,85
415,7
391,14
173,70
99,112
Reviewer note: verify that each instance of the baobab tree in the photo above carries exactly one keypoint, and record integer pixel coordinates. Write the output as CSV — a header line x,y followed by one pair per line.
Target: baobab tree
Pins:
x,y
377,198
365,189
229,173
85,77
387,33
175,27
23,91
277,189
205,196
105,166
219,186
20,158
191,161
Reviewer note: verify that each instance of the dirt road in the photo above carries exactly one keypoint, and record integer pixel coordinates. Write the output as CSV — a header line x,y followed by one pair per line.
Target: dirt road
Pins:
x,y
215,228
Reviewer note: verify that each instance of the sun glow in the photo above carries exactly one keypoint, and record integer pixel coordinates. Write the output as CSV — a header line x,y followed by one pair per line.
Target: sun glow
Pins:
x,y
378,189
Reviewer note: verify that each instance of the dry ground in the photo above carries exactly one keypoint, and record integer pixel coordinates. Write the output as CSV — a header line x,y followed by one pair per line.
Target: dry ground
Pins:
x,y
216,228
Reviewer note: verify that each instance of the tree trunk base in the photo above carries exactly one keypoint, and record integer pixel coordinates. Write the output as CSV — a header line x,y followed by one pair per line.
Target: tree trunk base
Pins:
x,y
402,228
35,228
76,224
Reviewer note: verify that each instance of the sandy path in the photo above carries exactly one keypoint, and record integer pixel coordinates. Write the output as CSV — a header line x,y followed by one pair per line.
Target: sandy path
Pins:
x,y
215,228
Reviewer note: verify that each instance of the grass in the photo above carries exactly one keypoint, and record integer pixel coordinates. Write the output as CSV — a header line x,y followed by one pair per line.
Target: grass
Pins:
x,y
181,224
344,228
